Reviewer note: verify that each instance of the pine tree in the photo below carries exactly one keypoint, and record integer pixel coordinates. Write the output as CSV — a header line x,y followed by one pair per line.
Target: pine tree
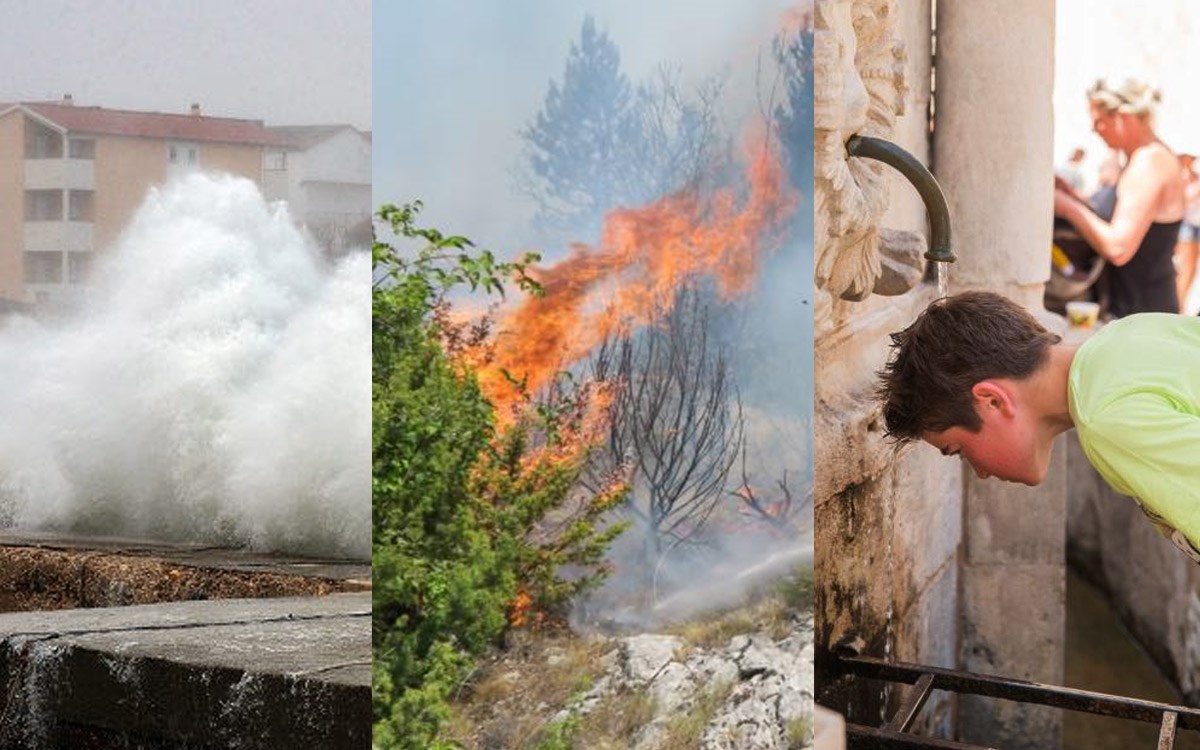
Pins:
x,y
599,142
576,144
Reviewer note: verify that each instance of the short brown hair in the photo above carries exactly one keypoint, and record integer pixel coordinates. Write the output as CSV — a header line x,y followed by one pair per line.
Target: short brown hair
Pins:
x,y
953,344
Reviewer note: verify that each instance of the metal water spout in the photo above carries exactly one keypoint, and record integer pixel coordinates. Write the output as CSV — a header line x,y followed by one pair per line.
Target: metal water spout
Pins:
x,y
927,187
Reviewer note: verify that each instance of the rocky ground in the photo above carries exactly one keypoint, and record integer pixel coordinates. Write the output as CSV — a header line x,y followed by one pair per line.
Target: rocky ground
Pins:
x,y
743,679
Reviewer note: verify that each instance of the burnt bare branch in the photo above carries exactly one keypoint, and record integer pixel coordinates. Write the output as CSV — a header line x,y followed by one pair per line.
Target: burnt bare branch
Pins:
x,y
676,421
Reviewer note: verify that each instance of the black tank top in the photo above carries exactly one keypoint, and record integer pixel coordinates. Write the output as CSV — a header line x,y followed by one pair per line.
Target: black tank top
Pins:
x,y
1147,282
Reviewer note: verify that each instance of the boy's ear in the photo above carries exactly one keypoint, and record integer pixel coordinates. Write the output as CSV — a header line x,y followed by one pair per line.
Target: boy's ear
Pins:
x,y
993,395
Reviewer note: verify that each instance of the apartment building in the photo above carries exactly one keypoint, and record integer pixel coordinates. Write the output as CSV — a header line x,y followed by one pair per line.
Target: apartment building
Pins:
x,y
71,178
324,174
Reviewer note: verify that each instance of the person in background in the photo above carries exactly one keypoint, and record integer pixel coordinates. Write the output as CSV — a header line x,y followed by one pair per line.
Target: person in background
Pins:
x,y
1137,236
1189,233
1108,174
1072,170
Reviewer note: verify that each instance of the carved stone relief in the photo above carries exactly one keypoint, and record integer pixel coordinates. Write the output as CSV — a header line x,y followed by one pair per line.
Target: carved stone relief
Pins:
x,y
859,90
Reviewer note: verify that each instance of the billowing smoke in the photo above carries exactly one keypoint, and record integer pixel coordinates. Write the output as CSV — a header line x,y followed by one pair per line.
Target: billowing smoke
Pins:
x,y
214,387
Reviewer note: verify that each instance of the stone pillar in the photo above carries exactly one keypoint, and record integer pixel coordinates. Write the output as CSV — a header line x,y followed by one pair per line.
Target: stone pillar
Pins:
x,y
994,141
993,155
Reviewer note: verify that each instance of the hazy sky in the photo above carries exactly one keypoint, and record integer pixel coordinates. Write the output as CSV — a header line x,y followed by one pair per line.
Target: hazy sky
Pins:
x,y
455,81
287,62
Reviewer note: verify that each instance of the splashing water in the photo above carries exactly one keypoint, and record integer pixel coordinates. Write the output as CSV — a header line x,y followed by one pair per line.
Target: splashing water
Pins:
x,y
214,387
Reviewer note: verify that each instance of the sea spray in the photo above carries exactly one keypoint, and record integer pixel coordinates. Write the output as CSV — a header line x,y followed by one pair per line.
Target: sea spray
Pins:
x,y
214,387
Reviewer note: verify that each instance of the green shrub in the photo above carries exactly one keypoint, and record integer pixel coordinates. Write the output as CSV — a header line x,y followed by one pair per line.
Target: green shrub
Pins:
x,y
454,499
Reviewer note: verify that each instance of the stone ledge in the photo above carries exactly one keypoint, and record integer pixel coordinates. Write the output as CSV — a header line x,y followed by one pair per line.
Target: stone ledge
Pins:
x,y
277,673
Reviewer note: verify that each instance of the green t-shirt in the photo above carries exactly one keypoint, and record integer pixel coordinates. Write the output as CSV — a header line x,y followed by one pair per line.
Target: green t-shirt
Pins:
x,y
1134,396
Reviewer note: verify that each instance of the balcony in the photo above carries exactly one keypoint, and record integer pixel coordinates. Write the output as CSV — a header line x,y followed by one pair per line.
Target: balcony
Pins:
x,y
57,236
60,174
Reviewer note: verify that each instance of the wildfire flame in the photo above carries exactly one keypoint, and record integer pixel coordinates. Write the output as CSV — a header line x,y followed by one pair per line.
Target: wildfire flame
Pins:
x,y
519,609
645,255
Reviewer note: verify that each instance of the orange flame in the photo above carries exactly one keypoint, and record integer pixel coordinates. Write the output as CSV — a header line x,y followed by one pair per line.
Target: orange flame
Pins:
x,y
645,255
577,434
519,610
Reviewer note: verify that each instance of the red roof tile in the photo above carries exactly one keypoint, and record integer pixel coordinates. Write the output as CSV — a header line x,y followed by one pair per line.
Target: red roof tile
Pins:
x,y
98,120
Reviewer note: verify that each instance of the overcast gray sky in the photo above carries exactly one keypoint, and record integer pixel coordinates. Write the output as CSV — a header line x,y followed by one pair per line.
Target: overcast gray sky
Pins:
x,y
287,62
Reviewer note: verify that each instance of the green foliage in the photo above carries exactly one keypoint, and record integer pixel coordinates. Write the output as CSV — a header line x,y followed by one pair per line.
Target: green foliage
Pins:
x,y
576,144
455,501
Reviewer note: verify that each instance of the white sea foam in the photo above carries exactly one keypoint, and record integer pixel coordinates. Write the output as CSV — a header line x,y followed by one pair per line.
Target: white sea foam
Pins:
x,y
215,387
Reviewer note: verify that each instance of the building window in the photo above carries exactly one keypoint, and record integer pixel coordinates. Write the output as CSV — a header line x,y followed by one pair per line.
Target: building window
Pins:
x,y
43,268
41,142
183,155
276,161
43,205
81,148
79,265
79,205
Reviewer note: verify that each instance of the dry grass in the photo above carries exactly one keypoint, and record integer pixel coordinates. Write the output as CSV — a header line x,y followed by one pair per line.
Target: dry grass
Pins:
x,y
614,720
494,688
799,732
683,731
771,614
715,632
512,699
776,618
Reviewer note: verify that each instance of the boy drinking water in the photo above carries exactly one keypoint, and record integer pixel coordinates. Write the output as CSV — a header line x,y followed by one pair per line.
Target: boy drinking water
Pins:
x,y
976,376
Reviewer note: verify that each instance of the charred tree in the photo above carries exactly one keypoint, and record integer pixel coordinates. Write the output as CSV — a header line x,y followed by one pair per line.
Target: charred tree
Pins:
x,y
778,508
676,424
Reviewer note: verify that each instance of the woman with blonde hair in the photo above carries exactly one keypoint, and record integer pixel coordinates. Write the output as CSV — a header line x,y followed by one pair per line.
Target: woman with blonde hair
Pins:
x,y
1135,228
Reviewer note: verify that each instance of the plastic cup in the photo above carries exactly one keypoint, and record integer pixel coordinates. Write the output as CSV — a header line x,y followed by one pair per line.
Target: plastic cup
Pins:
x,y
1082,314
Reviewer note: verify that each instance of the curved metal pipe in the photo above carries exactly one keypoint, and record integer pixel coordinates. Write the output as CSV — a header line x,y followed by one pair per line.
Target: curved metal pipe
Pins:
x,y
927,187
